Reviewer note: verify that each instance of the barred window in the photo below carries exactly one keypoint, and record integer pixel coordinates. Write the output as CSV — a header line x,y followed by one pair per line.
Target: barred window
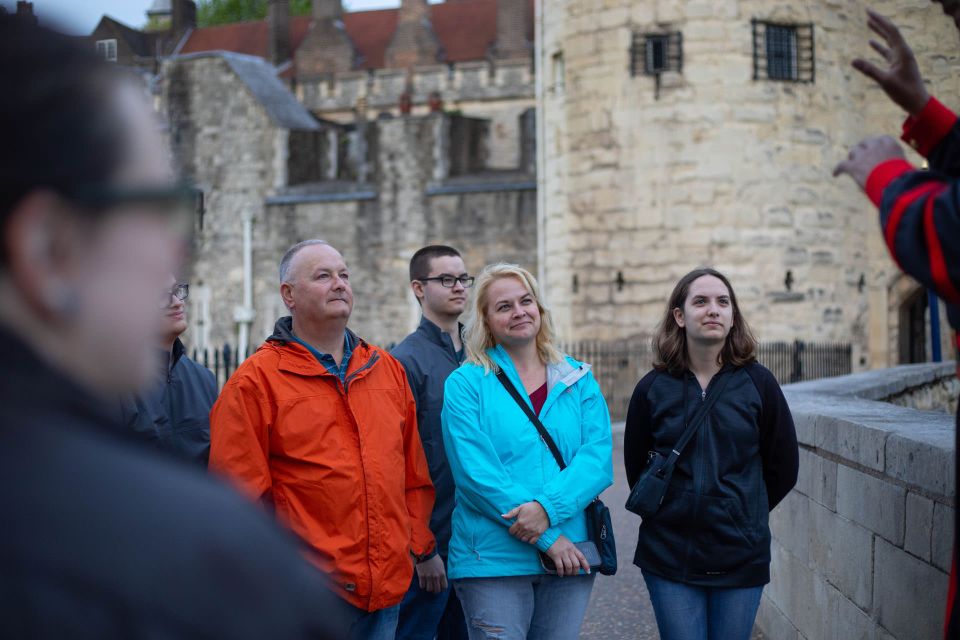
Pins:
x,y
654,53
783,52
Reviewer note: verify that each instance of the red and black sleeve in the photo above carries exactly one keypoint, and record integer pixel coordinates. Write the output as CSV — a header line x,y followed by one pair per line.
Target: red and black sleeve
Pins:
x,y
920,219
935,134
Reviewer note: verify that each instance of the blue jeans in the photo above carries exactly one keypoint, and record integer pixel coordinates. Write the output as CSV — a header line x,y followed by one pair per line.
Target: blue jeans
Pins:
x,y
686,612
541,607
425,615
373,625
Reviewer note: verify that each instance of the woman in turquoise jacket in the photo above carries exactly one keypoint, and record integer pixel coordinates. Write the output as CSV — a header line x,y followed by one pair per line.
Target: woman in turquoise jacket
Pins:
x,y
512,499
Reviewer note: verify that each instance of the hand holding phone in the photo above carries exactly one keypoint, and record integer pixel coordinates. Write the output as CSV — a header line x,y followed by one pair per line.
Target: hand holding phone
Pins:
x,y
567,559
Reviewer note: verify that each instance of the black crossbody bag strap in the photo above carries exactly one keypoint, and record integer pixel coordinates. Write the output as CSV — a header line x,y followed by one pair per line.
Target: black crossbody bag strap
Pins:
x,y
544,435
697,420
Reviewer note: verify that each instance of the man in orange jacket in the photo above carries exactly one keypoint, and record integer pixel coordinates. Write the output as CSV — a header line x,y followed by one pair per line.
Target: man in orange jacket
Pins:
x,y
322,427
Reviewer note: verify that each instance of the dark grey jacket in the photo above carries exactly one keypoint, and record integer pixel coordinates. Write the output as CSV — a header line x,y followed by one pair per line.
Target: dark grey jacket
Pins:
x,y
428,357
174,415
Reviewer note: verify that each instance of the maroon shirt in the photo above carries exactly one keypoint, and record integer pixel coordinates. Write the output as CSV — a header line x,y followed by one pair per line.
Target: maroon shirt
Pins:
x,y
538,397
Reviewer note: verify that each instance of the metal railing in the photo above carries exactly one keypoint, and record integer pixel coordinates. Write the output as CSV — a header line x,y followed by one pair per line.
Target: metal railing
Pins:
x,y
619,364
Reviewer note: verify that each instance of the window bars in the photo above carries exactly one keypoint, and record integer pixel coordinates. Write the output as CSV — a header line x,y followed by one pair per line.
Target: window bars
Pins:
x,y
783,52
654,53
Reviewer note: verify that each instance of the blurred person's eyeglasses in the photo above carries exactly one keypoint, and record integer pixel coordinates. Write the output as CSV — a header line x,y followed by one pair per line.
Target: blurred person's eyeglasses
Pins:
x,y
180,291
450,281
182,202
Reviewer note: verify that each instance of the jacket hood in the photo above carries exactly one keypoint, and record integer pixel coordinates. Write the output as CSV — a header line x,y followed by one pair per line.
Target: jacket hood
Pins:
x,y
568,371
283,332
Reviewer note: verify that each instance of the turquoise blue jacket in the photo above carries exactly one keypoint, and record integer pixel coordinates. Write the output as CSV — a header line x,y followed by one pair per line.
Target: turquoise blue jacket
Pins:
x,y
499,461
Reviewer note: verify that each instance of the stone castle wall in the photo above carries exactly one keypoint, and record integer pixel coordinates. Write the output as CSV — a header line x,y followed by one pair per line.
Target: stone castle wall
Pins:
x,y
379,233
225,141
499,92
718,168
861,546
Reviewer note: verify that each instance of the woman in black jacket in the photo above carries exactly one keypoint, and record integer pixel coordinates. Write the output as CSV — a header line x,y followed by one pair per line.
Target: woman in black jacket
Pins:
x,y
705,553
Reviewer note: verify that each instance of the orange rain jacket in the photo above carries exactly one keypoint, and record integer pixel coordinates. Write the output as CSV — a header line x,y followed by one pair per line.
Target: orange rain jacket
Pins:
x,y
342,465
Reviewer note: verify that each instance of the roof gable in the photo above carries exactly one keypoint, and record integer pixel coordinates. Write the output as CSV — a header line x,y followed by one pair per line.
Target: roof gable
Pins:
x,y
260,78
466,29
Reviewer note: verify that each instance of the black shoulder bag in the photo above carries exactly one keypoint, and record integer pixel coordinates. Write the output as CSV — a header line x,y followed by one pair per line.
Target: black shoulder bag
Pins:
x,y
599,524
647,495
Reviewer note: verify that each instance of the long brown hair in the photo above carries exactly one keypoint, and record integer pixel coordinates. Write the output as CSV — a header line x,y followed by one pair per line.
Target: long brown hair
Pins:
x,y
670,342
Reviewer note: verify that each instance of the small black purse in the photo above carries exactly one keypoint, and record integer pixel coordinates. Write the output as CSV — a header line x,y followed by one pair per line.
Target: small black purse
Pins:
x,y
647,494
599,524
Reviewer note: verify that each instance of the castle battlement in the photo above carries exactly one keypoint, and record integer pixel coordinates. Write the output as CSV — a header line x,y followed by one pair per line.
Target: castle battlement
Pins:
x,y
382,88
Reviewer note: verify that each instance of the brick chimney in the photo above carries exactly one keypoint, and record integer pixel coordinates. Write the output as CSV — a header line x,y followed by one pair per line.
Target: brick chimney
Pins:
x,y
183,15
512,22
278,31
25,11
331,9
326,49
413,43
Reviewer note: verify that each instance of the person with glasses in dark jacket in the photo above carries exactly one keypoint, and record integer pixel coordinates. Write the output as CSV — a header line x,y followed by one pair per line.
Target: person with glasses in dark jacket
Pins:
x,y
439,280
705,554
103,538
173,413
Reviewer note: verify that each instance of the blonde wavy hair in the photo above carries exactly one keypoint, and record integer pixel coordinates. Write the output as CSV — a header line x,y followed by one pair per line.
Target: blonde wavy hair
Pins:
x,y
479,338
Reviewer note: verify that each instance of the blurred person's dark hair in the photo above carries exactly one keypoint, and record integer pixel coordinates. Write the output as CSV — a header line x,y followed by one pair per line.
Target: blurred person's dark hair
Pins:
x,y
58,125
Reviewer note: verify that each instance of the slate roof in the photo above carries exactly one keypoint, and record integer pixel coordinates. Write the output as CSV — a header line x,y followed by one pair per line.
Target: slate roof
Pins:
x,y
260,78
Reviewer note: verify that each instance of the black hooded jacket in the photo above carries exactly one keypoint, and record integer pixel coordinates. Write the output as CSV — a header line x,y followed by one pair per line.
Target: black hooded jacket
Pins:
x,y
713,526
103,538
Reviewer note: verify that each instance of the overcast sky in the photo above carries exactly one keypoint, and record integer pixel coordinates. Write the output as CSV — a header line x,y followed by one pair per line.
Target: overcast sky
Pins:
x,y
81,16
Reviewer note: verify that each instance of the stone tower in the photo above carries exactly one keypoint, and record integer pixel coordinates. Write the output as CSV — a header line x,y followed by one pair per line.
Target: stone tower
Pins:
x,y
679,134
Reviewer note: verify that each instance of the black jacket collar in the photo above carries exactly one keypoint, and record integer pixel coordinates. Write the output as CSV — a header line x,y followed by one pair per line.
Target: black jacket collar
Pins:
x,y
29,385
432,332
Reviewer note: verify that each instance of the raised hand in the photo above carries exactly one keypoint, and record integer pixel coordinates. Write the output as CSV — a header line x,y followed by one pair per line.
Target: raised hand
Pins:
x,y
901,80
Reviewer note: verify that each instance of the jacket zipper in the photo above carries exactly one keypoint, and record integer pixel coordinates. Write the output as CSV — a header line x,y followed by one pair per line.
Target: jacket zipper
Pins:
x,y
373,360
346,383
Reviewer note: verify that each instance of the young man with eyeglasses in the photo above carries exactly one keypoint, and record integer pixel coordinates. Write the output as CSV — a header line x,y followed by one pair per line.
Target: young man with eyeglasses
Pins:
x,y
439,280
173,414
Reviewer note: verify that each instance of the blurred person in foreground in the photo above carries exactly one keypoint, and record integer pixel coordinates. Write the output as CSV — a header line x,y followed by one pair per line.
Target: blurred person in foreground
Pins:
x,y
919,210
101,537
173,412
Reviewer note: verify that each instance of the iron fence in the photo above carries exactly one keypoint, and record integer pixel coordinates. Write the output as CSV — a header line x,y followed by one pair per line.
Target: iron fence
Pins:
x,y
619,364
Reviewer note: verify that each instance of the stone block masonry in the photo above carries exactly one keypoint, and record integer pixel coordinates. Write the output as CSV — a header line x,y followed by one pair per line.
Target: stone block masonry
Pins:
x,y
711,166
861,546
260,157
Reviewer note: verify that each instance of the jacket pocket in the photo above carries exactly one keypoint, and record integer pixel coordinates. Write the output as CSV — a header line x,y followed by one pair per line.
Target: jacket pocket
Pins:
x,y
724,541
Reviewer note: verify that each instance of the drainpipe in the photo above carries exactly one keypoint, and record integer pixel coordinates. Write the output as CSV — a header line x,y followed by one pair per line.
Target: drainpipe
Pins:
x,y
541,149
243,315
934,306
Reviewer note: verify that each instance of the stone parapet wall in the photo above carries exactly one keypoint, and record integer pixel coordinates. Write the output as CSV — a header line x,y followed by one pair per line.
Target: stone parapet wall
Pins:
x,y
861,547
382,88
